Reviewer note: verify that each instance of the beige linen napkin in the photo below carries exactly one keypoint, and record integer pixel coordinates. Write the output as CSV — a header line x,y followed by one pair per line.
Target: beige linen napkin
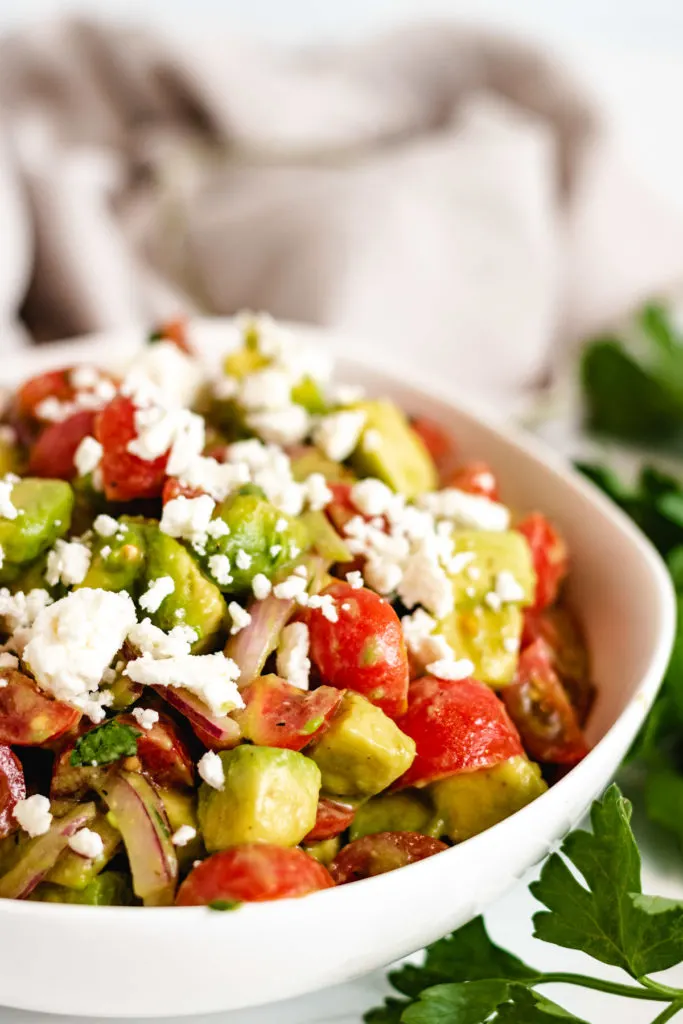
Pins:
x,y
447,192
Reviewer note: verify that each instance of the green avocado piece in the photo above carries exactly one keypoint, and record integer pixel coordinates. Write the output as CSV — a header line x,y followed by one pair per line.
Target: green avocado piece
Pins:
x,y
76,872
471,802
32,577
394,453
243,361
492,553
270,796
325,851
392,812
110,889
308,394
489,638
324,539
117,561
268,538
195,601
45,508
181,809
10,457
312,460
362,751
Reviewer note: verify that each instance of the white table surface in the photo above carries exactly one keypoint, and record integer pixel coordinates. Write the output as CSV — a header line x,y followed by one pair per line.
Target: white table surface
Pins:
x,y
642,91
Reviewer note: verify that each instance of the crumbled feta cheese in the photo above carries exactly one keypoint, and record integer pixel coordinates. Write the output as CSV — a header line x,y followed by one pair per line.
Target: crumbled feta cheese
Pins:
x,y
210,676
451,670
67,563
292,661
281,525
33,814
261,586
470,511
473,572
383,575
371,441
105,551
280,426
347,394
188,442
149,639
218,528
460,561
423,643
290,588
105,525
242,559
188,518
240,617
7,509
372,497
217,479
172,375
8,660
508,588
266,389
145,717
316,492
355,579
74,640
274,550
338,434
511,644
88,456
210,768
219,567
301,570
87,843
176,431
20,610
425,582
157,592
183,835
492,600
326,604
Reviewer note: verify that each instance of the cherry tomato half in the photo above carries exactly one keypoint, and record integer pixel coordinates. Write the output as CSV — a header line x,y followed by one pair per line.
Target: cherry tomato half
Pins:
x,y
458,726
381,852
53,453
439,442
55,384
332,819
174,331
28,717
162,752
126,476
540,708
277,714
253,873
549,554
475,478
174,489
363,650
12,789
560,631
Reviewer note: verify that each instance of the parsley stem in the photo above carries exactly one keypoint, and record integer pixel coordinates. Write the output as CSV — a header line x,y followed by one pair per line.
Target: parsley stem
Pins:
x,y
653,995
667,1014
664,990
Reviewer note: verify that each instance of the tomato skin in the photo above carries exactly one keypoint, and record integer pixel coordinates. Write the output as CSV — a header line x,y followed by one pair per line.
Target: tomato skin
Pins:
x,y
278,714
162,752
475,478
29,718
458,726
341,509
253,873
174,489
175,331
126,476
439,442
541,710
382,852
12,789
364,650
52,455
562,635
54,384
332,819
550,557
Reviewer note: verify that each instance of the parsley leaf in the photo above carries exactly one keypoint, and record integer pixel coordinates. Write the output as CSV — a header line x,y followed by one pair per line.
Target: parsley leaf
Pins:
x,y
608,917
529,1007
390,1013
469,1002
104,744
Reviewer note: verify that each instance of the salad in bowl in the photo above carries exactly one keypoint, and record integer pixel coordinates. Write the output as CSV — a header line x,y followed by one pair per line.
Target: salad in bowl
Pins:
x,y
262,633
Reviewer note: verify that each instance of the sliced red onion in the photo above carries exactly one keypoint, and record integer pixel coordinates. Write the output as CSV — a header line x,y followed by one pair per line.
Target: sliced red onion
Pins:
x,y
219,732
251,647
42,852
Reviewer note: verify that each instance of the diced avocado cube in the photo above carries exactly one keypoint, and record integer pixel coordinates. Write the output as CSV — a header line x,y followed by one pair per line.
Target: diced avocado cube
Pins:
x,y
488,638
110,889
262,538
493,553
269,796
76,872
308,394
181,809
312,460
392,812
195,601
325,851
11,460
324,539
471,802
44,508
391,450
362,751
32,576
244,361
117,562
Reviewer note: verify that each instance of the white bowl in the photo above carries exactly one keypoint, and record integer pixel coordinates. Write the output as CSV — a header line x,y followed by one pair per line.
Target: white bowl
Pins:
x,y
158,962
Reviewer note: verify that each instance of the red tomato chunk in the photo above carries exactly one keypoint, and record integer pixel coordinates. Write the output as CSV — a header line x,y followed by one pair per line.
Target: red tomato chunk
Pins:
x,y
28,717
278,714
550,558
53,453
475,478
253,873
332,819
382,852
126,476
12,789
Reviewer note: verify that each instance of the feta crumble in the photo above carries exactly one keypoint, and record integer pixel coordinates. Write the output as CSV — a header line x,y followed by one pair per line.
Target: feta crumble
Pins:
x,y
149,639
338,434
188,518
67,563
145,717
210,768
219,567
7,509
292,660
211,677
240,617
423,643
242,559
469,511
316,492
355,579
156,593
105,526
33,814
291,588
8,660
372,497
451,670
88,456
86,843
261,586
183,835
508,588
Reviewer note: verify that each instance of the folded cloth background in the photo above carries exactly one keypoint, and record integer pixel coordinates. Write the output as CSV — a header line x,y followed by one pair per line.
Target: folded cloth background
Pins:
x,y
448,192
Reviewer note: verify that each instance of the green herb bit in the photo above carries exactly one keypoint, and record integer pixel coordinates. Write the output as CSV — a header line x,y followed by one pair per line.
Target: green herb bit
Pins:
x,y
104,744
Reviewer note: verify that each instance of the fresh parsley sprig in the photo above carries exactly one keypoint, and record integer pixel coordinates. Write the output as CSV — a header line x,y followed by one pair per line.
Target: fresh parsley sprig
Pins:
x,y
593,901
105,744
